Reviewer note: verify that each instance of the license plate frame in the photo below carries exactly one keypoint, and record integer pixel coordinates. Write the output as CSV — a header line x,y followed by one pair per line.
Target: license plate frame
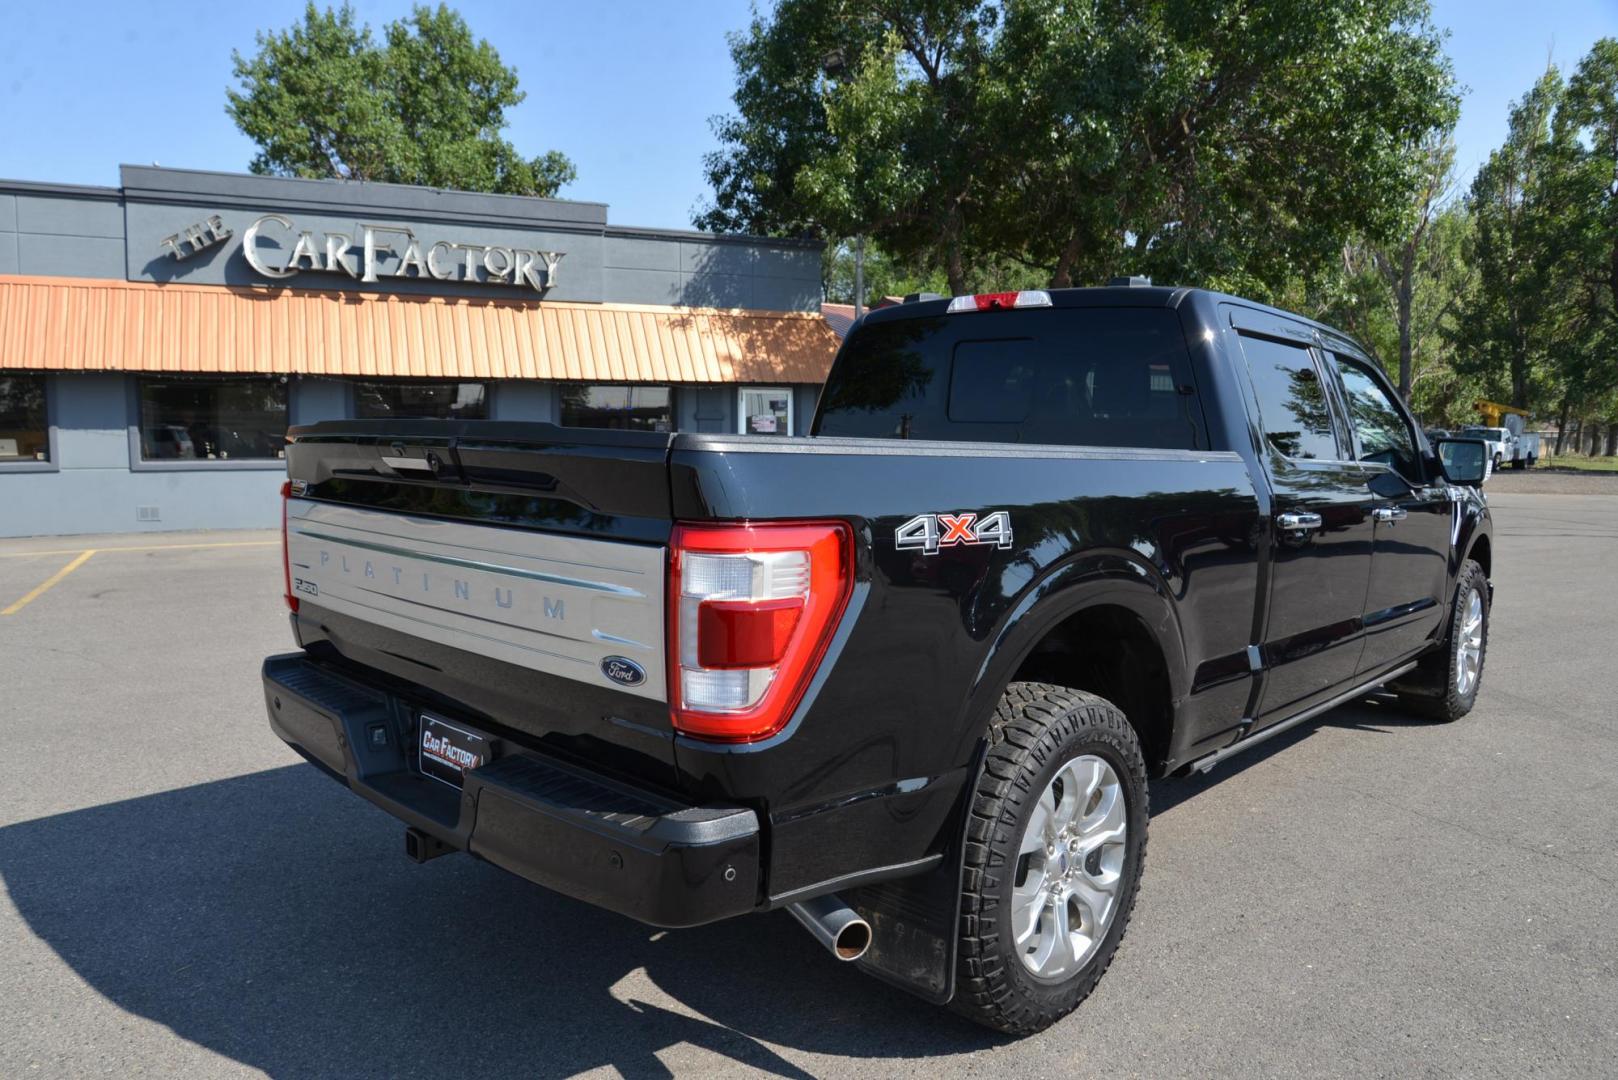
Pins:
x,y
447,751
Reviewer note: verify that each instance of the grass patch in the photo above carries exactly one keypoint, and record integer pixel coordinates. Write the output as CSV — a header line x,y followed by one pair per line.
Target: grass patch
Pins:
x,y
1581,463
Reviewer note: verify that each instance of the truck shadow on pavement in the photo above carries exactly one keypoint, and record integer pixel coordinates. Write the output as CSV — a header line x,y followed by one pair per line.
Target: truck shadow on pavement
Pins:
x,y
273,918
1375,714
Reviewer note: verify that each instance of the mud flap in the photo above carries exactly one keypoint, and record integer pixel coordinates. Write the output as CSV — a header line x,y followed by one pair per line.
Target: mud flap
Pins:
x,y
914,920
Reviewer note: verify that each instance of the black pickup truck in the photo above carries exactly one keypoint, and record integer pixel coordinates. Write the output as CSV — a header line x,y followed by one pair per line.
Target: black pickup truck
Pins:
x,y
906,677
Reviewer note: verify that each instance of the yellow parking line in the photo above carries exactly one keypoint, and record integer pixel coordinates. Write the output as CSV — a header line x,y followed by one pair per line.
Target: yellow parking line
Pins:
x,y
83,558
146,547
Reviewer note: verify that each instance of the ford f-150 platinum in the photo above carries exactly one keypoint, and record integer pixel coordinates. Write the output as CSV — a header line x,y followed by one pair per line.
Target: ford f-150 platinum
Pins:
x,y
908,676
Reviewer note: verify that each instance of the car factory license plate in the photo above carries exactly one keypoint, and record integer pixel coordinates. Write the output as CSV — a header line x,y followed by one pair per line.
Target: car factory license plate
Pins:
x,y
448,752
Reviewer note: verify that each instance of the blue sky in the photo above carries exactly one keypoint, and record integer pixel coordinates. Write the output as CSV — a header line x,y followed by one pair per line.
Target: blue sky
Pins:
x,y
625,89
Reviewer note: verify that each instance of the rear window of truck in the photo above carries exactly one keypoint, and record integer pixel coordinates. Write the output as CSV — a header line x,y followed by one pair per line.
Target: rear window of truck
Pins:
x,y
1063,376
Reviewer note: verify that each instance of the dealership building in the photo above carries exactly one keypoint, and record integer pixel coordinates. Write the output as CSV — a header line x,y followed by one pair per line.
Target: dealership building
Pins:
x,y
158,338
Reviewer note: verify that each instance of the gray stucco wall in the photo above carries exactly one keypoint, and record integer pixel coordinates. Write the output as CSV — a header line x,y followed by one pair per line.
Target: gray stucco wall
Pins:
x,y
697,272
314,400
95,488
67,231
92,485
514,400
61,232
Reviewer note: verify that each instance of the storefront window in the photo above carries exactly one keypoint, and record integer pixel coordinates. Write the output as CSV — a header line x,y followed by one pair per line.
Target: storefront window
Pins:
x,y
391,399
234,419
626,408
25,433
765,410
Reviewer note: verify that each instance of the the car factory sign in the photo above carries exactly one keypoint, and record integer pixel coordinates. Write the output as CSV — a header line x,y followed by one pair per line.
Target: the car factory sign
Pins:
x,y
276,248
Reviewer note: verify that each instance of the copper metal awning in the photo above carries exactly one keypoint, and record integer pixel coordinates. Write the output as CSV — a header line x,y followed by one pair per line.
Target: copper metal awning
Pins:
x,y
77,324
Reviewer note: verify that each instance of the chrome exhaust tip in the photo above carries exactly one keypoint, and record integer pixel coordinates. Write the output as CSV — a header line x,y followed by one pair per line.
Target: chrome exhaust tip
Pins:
x,y
835,925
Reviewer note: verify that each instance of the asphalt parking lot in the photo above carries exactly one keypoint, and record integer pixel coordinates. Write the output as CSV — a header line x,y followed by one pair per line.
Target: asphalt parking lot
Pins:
x,y
1367,895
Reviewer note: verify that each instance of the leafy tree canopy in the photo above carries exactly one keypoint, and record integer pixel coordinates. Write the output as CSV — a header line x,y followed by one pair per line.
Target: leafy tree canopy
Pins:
x,y
1194,140
1542,322
425,105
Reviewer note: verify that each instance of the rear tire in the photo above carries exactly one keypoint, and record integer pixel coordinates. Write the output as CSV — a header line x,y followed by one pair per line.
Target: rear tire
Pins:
x,y
1064,775
1445,686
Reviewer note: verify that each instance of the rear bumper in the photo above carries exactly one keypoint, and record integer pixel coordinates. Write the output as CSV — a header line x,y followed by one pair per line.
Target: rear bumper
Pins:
x,y
590,837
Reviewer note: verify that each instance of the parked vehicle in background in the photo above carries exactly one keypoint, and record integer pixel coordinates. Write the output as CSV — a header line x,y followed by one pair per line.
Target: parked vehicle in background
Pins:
x,y
905,678
1507,427
166,441
1524,443
1500,441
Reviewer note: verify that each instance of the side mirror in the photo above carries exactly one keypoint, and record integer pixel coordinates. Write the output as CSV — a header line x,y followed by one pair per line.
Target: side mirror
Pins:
x,y
1464,461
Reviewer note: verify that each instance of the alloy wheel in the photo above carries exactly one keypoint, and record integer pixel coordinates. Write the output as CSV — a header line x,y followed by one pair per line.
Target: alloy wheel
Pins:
x,y
1469,645
1069,869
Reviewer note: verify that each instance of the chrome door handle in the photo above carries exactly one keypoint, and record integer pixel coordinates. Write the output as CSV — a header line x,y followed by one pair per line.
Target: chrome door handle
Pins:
x,y
1389,513
1296,522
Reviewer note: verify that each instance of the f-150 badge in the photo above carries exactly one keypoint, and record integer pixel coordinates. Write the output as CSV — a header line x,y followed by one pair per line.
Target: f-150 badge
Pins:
x,y
930,532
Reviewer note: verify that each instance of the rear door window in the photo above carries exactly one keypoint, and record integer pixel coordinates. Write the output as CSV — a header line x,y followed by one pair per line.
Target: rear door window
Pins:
x,y
1064,376
1292,403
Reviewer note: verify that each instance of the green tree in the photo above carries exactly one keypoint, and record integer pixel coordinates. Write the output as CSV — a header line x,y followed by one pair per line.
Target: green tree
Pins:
x,y
1542,324
1364,299
1513,322
1584,231
1189,139
1397,265
886,275
426,105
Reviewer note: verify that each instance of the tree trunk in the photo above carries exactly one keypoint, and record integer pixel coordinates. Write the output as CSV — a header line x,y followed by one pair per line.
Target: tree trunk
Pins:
x,y
1612,438
1561,425
1576,445
1407,273
954,264
1519,362
1062,278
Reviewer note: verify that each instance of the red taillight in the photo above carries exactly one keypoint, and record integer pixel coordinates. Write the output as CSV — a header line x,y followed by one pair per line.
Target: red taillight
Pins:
x,y
286,555
1000,301
752,609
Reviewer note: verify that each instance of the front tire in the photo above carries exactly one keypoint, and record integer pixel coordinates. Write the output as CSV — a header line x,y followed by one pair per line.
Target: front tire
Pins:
x,y
1053,860
1445,686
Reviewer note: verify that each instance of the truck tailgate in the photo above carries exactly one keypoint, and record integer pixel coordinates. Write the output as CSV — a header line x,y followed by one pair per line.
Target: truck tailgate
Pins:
x,y
553,603
512,575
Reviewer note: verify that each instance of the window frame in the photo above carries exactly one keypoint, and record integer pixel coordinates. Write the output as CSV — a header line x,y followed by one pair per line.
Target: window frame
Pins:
x,y
741,413
53,461
138,463
1374,372
354,382
1187,365
674,402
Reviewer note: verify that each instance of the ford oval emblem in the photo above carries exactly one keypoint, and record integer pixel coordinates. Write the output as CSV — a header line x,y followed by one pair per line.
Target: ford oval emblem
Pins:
x,y
622,670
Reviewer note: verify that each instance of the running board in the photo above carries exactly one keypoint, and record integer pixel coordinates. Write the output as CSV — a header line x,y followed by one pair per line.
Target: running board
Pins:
x,y
1202,765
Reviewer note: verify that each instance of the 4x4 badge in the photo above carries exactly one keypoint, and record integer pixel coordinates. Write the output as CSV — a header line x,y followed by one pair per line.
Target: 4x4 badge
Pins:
x,y
930,532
